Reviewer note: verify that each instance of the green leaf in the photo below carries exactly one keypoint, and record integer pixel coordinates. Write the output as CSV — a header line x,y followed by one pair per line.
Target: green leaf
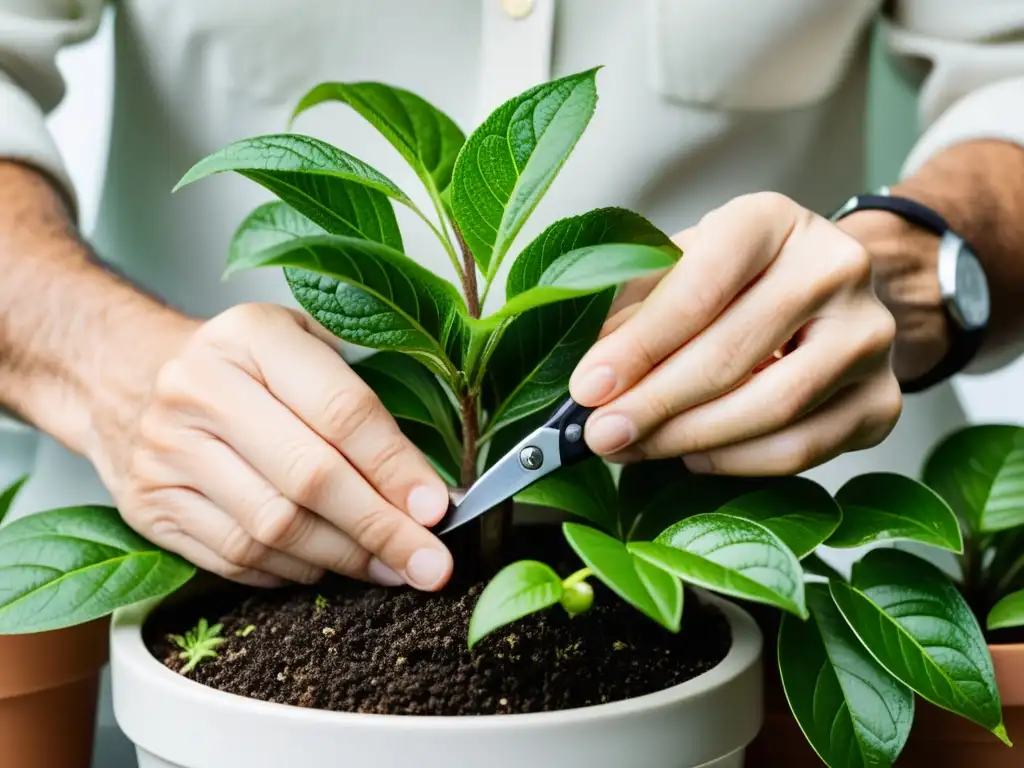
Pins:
x,y
429,440
516,591
883,506
8,495
1008,612
979,471
538,350
340,193
812,563
69,566
616,566
587,270
585,490
270,225
665,589
424,135
797,510
853,712
410,392
372,295
917,625
729,555
508,163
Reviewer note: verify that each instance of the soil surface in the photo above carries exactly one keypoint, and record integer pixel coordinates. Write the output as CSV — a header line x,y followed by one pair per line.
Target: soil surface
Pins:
x,y
350,647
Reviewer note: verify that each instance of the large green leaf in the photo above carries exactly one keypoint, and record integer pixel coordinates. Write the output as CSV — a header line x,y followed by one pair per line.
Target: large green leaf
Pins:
x,y
267,227
508,163
410,392
69,566
659,596
980,471
8,495
1008,612
883,506
729,555
425,136
539,349
587,270
585,490
438,453
372,295
797,510
340,193
918,626
516,591
853,712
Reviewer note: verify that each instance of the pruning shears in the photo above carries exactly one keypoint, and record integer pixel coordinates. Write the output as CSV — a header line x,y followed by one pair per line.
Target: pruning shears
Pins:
x,y
556,443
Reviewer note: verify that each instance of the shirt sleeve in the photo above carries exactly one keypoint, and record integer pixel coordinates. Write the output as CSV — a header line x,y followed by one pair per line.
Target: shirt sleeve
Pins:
x,y
970,57
31,34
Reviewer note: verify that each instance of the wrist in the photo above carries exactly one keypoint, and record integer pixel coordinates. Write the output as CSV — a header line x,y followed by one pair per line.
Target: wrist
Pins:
x,y
904,260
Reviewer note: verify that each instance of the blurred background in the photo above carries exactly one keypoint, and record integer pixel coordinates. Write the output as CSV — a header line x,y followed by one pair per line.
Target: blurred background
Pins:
x,y
80,125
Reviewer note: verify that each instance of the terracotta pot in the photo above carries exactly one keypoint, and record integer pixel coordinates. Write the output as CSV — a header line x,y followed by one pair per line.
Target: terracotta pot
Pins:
x,y
48,686
939,738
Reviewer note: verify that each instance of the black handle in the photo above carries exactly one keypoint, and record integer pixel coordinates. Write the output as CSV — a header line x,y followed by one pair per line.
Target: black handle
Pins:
x,y
569,419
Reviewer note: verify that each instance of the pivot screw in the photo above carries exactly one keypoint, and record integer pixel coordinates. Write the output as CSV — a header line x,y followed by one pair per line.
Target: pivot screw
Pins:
x,y
573,432
531,457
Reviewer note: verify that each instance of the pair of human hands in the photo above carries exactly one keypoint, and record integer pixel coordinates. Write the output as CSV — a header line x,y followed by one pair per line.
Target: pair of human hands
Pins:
x,y
259,455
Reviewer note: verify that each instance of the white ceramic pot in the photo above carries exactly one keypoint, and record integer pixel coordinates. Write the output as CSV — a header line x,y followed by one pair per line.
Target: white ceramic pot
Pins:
x,y
177,723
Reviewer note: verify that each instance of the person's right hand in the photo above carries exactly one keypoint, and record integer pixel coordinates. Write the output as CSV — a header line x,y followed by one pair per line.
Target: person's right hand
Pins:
x,y
259,455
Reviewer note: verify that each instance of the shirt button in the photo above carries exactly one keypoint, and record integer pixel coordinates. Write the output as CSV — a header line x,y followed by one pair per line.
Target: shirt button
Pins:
x,y
517,9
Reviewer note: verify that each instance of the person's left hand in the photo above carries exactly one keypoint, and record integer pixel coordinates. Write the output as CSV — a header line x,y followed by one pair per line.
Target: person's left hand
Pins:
x,y
764,351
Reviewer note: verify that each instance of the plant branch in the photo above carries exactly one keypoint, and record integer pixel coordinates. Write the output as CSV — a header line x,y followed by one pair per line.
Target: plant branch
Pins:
x,y
468,272
470,432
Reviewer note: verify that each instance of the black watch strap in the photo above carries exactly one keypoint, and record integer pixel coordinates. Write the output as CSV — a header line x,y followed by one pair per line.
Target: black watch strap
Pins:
x,y
964,343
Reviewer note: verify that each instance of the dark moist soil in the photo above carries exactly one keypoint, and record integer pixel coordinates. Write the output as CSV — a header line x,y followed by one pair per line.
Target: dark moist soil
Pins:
x,y
345,646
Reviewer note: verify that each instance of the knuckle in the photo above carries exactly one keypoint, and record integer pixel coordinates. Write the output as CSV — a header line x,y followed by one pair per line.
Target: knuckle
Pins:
x,y
307,472
879,331
241,549
347,409
393,460
354,562
376,529
796,456
279,523
175,383
720,369
886,411
850,263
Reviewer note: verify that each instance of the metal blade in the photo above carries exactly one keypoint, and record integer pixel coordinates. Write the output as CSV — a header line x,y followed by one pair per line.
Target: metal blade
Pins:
x,y
506,478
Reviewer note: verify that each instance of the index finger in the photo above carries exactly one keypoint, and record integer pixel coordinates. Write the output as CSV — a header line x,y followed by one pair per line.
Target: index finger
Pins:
x,y
729,249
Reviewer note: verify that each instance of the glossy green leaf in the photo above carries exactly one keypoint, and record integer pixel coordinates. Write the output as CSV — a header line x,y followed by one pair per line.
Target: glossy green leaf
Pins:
x,y
338,192
371,295
616,566
918,626
732,556
69,566
410,392
585,490
508,163
813,564
797,510
425,136
429,440
517,590
1008,612
884,506
9,494
270,225
979,471
587,270
852,711
538,350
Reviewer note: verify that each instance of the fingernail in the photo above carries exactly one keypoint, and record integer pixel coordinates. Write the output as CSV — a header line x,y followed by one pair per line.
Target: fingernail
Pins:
x,y
426,568
610,434
426,505
383,574
698,463
591,387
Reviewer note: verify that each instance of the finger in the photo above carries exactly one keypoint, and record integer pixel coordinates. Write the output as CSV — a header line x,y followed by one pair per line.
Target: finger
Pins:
x,y
331,398
170,536
834,357
310,472
274,522
763,319
847,422
730,248
635,291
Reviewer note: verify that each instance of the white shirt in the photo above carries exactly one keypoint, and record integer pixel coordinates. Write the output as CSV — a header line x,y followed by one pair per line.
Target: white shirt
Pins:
x,y
700,101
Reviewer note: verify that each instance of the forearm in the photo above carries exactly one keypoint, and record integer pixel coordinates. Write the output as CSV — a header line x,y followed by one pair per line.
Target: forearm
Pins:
x,y
75,339
978,187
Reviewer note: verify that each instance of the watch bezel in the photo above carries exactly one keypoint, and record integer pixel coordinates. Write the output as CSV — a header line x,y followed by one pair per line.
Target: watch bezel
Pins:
x,y
953,249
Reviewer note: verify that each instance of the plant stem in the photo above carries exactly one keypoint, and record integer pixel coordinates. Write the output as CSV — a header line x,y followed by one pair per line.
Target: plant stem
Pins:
x,y
470,431
469,286
575,578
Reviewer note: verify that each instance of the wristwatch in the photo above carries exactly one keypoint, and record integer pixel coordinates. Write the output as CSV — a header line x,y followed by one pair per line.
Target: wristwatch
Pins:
x,y
962,282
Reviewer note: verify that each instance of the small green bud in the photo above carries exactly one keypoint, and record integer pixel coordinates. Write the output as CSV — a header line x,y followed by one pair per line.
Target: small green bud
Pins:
x,y
577,598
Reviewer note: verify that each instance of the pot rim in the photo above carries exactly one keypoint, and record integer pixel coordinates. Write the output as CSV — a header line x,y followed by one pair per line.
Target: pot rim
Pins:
x,y
127,644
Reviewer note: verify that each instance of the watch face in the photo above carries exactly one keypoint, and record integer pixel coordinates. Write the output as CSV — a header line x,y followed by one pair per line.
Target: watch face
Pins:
x,y
972,299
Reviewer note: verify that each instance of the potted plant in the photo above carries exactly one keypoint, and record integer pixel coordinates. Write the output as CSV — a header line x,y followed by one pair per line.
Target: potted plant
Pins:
x,y
48,681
